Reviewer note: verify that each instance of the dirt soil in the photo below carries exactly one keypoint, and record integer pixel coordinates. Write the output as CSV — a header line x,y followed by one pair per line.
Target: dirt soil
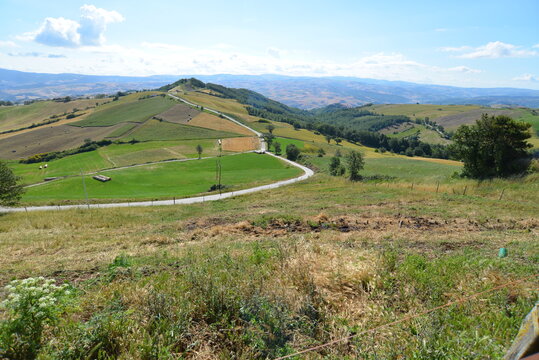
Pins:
x,y
50,138
179,114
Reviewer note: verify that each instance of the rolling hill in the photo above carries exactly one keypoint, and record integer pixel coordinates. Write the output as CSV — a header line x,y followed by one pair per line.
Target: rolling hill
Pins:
x,y
301,92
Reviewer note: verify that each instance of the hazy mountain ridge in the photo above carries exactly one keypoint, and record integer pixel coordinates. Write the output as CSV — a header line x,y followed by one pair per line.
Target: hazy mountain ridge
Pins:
x,y
302,92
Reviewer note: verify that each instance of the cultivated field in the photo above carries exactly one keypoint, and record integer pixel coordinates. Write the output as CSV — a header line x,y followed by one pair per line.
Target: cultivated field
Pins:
x,y
15,117
132,111
241,144
50,138
179,113
213,122
162,130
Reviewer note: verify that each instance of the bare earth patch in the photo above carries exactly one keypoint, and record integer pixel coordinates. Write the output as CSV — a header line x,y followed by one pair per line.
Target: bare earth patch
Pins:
x,y
50,138
180,114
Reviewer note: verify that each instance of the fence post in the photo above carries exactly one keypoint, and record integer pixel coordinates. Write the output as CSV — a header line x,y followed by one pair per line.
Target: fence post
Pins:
x,y
465,188
412,186
437,187
501,195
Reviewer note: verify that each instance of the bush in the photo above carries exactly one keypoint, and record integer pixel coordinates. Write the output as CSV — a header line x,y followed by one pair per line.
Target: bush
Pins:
x,y
31,304
292,152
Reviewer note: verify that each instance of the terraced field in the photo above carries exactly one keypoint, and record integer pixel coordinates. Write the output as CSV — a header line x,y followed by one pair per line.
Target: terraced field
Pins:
x,y
136,111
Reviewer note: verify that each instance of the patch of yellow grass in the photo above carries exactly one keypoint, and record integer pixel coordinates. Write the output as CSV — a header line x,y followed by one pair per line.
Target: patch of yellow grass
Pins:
x,y
240,144
213,122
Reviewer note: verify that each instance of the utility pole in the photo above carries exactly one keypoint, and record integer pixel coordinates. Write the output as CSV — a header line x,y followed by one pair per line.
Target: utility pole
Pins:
x,y
219,164
84,186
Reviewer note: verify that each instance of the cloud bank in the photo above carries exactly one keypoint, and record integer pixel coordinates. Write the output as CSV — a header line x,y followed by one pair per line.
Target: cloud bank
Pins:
x,y
492,50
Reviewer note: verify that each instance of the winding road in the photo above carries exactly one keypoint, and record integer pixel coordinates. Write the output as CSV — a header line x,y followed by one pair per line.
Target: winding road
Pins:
x,y
307,173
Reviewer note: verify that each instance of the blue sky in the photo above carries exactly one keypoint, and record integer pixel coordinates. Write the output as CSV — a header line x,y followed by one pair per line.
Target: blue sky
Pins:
x,y
462,43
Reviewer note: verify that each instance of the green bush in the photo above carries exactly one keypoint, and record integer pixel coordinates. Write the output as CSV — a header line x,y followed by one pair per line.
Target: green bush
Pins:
x,y
31,304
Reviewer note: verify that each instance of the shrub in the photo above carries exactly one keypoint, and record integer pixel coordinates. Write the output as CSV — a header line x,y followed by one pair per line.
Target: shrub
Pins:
x,y
292,152
31,304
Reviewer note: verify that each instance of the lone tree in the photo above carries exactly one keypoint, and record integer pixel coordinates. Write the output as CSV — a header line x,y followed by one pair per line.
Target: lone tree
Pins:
x,y
270,128
277,147
355,165
495,146
10,191
268,138
292,152
328,138
335,167
199,151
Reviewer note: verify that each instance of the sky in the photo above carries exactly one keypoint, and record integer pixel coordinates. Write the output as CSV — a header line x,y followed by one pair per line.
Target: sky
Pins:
x,y
472,43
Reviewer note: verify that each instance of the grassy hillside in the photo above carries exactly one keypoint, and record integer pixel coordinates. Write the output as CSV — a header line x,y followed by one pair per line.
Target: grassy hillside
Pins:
x,y
262,276
133,111
16,117
267,274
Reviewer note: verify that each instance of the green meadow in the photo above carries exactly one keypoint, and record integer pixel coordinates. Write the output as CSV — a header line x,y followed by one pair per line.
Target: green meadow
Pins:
x,y
166,180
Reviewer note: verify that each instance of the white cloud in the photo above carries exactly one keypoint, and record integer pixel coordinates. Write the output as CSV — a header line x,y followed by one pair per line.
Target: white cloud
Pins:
x,y
58,32
527,77
464,69
8,44
455,49
93,23
492,50
536,46
90,31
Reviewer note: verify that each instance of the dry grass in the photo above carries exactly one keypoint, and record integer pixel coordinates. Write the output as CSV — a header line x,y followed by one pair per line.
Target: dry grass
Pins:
x,y
213,122
240,144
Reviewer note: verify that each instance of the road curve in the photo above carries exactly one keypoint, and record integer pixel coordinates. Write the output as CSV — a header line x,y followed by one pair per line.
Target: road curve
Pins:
x,y
307,173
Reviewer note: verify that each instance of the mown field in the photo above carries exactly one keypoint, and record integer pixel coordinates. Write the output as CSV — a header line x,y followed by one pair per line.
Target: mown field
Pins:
x,y
165,180
264,275
115,155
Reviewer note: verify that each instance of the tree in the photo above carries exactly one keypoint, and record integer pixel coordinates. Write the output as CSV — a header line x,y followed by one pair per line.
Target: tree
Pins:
x,y
296,125
199,151
495,146
270,128
10,191
321,152
338,140
292,152
277,147
335,167
328,138
355,164
268,138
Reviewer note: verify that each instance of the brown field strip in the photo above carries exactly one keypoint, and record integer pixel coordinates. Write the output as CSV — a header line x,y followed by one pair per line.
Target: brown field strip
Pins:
x,y
50,138
180,114
209,121
240,144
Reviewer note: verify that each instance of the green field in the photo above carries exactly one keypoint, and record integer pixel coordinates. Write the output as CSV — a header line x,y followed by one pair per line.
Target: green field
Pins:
x,y
162,130
165,180
124,111
113,156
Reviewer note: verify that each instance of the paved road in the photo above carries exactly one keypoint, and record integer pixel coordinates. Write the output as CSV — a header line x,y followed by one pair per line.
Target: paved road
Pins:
x,y
307,173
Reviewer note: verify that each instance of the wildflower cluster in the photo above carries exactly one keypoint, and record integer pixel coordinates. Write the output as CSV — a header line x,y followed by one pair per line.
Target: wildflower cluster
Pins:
x,y
34,298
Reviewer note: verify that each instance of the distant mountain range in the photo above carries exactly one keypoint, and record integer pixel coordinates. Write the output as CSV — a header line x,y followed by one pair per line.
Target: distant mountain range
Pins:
x,y
302,92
